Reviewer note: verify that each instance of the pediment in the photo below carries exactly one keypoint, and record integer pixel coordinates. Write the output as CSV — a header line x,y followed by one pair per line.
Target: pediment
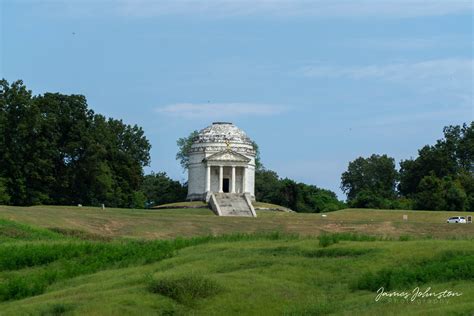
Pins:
x,y
228,155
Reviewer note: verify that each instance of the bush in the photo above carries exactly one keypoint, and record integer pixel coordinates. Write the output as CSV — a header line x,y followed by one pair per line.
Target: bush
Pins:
x,y
185,289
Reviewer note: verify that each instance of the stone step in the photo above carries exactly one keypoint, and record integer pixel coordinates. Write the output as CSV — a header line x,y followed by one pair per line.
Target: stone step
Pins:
x,y
233,204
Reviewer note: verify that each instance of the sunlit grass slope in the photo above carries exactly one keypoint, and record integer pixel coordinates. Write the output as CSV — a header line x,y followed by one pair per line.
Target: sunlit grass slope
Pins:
x,y
45,272
170,223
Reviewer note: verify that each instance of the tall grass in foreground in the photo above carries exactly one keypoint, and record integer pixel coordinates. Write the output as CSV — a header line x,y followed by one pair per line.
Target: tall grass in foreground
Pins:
x,y
56,261
447,266
13,231
326,239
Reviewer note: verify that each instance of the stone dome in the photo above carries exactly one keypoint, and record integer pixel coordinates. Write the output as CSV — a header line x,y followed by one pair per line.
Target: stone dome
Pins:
x,y
221,132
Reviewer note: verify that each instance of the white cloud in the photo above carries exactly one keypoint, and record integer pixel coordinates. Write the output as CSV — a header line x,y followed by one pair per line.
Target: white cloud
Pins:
x,y
441,69
313,8
219,110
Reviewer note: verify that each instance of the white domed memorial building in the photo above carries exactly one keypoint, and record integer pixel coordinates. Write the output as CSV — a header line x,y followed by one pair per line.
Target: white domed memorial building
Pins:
x,y
221,170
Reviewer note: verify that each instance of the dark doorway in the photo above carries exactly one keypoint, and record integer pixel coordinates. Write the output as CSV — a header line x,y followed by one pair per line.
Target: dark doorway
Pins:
x,y
225,185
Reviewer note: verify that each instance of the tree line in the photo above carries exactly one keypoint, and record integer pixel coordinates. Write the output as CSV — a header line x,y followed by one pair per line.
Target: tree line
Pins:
x,y
55,150
441,177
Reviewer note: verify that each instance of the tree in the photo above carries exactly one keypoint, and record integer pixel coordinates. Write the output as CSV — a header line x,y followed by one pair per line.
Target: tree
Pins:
x,y
299,197
4,197
375,176
455,198
451,162
267,186
450,156
55,150
430,193
184,148
23,167
258,160
159,189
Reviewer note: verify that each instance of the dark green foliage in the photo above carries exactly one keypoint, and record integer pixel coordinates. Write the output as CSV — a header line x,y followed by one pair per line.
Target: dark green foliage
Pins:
x,y
258,159
54,150
56,310
159,189
442,176
185,289
267,186
319,253
449,266
441,194
370,182
337,252
184,146
299,197
4,196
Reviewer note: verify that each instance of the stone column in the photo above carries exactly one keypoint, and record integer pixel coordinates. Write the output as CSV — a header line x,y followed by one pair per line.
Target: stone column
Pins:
x,y
244,180
221,178
233,179
208,178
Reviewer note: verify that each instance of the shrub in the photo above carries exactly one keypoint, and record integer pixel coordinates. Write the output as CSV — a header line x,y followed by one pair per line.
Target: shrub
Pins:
x,y
56,310
185,289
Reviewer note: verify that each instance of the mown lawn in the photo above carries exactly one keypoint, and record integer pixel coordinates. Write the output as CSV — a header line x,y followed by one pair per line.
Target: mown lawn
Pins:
x,y
171,223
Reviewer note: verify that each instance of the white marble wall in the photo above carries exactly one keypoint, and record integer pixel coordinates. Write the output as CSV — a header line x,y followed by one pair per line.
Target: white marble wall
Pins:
x,y
197,170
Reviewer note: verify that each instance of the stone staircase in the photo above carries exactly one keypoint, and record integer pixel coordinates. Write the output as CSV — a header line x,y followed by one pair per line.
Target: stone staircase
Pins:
x,y
232,204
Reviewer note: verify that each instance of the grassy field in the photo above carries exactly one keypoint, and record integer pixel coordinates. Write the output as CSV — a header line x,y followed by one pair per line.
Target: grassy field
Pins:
x,y
171,223
85,261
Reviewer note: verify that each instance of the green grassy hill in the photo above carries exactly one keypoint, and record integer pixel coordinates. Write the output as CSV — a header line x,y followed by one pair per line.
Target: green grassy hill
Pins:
x,y
85,261
171,223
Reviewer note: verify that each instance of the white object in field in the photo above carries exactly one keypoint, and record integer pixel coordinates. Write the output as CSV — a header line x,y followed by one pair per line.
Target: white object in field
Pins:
x,y
103,206
324,215
79,205
405,217
456,220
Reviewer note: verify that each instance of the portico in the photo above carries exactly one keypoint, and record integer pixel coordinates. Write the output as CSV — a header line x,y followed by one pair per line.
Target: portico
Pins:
x,y
226,172
225,179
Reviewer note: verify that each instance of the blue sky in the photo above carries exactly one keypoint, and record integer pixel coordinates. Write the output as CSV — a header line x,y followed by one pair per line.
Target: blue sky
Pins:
x,y
315,83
